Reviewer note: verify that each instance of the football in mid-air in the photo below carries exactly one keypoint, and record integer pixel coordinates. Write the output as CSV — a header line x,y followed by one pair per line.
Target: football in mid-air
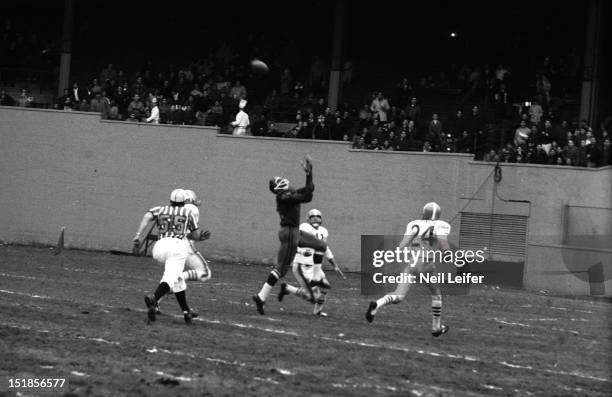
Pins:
x,y
259,66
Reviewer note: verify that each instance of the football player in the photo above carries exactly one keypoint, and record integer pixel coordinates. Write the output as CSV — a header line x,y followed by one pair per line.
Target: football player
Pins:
x,y
175,224
307,265
288,201
425,234
196,267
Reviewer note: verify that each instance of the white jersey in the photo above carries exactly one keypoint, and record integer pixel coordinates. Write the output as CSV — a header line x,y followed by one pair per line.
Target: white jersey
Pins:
x,y
305,255
426,233
194,211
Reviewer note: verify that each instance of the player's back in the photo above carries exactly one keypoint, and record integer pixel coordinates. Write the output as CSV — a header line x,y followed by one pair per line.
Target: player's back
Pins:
x,y
427,233
173,221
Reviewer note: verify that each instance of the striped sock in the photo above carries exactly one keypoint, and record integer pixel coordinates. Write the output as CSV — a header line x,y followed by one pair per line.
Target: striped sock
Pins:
x,y
265,291
436,311
291,289
192,275
385,300
267,287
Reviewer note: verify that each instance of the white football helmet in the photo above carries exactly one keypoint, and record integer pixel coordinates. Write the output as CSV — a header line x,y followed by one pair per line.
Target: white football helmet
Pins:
x,y
177,196
278,184
315,218
431,211
192,198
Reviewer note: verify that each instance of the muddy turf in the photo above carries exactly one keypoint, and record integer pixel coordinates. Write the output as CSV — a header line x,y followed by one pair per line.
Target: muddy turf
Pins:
x,y
81,316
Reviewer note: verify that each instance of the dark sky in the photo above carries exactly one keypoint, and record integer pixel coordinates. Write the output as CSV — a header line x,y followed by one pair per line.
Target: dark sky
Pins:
x,y
388,36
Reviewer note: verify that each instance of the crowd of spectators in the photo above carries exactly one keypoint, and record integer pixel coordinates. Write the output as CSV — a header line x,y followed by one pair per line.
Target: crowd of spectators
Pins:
x,y
207,92
182,97
535,131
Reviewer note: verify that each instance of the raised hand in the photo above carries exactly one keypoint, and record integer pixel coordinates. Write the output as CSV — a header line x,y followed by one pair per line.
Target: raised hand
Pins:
x,y
307,164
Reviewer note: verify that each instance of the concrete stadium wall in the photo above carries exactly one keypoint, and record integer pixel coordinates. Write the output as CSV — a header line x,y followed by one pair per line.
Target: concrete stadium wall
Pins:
x,y
569,270
97,178
547,189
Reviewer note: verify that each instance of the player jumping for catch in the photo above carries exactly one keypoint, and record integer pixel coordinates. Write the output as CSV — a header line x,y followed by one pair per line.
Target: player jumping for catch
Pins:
x,y
307,265
175,224
288,202
427,233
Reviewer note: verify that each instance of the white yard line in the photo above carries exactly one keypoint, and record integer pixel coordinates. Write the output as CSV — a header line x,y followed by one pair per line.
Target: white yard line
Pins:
x,y
180,378
360,343
503,321
268,380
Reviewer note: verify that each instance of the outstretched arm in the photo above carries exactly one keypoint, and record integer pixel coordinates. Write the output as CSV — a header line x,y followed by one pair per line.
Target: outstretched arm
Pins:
x,y
146,219
303,194
144,223
336,267
307,190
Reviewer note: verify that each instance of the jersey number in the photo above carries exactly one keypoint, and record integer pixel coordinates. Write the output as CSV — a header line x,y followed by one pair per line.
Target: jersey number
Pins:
x,y
172,223
428,235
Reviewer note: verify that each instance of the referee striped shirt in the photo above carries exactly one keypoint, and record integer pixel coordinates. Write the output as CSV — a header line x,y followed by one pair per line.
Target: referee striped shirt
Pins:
x,y
174,221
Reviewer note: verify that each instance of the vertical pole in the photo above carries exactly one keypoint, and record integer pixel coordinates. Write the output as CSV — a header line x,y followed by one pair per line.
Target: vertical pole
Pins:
x,y
592,61
335,76
64,71
565,223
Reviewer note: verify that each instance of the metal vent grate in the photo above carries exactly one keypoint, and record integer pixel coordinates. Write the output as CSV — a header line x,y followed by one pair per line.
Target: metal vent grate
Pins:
x,y
500,234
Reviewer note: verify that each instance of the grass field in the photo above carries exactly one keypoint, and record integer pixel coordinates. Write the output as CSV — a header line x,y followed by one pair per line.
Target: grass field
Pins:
x,y
81,316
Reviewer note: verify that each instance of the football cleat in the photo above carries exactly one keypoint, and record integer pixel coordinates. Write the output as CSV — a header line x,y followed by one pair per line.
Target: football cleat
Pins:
x,y
369,315
282,292
443,329
259,304
188,317
151,305
320,313
157,311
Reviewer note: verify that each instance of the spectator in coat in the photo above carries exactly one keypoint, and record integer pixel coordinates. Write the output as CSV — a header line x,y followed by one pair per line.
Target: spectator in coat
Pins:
x,y
380,107
136,107
413,111
435,130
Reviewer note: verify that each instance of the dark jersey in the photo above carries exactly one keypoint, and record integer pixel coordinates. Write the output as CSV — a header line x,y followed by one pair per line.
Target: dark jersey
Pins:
x,y
288,203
